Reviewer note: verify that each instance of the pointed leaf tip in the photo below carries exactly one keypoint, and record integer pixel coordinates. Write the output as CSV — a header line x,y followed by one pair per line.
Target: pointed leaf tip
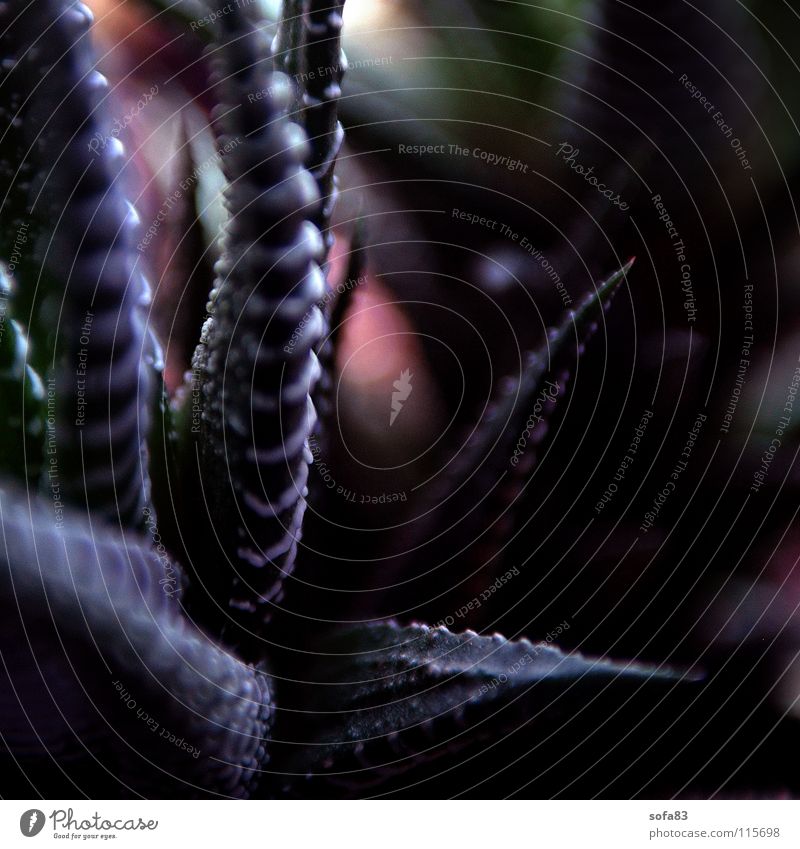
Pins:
x,y
386,680
596,302
608,287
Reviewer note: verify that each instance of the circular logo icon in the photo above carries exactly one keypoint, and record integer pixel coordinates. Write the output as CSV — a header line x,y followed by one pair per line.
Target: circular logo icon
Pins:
x,y
31,822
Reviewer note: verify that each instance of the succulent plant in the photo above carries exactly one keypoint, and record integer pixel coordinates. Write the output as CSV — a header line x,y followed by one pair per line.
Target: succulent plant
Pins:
x,y
148,539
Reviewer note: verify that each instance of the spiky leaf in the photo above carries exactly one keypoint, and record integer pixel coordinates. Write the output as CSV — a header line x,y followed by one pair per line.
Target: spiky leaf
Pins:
x,y
256,362
380,695
100,356
326,65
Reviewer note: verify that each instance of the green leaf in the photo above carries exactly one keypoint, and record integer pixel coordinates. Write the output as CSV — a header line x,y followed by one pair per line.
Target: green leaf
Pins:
x,y
21,397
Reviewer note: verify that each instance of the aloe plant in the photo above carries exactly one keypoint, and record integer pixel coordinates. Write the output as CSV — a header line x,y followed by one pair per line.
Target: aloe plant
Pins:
x,y
143,641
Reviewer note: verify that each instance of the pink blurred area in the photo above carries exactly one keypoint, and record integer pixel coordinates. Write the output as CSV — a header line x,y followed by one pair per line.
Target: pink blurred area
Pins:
x,y
138,50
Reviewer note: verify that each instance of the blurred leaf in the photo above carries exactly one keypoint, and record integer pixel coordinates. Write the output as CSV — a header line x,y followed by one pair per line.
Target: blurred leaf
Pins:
x,y
479,485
